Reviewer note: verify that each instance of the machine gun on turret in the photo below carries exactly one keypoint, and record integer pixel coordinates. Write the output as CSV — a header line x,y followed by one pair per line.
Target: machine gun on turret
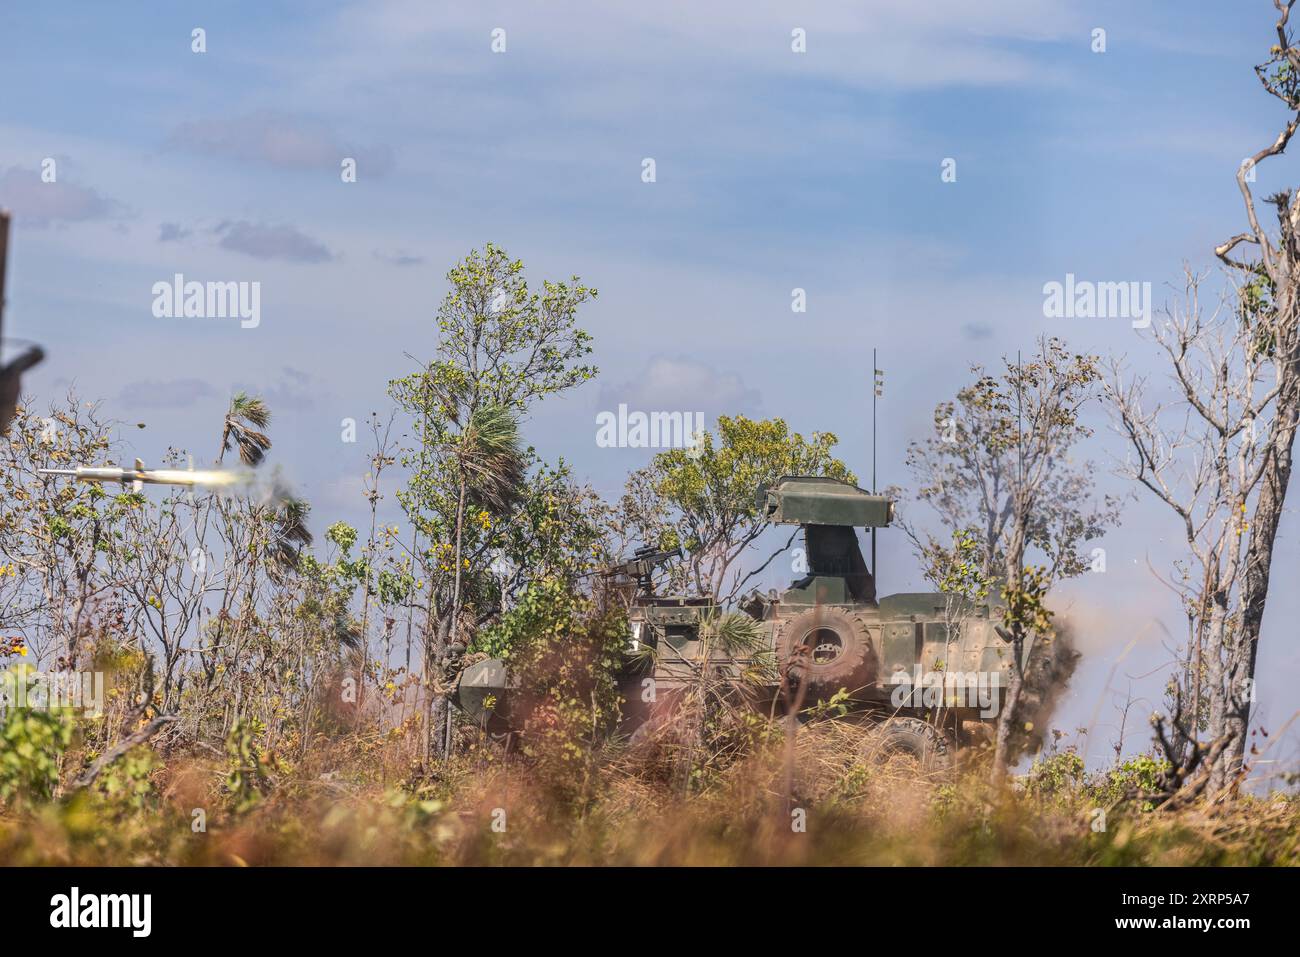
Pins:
x,y
642,565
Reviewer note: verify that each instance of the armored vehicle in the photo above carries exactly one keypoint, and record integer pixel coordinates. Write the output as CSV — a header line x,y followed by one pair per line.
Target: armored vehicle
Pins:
x,y
930,667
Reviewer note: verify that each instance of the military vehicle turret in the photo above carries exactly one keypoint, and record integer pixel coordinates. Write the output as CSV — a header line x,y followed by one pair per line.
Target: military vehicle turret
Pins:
x,y
930,667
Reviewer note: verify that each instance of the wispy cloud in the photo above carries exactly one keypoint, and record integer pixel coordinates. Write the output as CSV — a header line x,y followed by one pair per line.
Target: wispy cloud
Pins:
x,y
279,139
271,242
168,394
683,385
40,203
172,232
399,258
293,391
900,44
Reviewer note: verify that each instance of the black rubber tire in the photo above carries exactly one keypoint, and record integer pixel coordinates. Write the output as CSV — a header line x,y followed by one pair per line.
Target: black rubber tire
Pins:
x,y
853,667
931,746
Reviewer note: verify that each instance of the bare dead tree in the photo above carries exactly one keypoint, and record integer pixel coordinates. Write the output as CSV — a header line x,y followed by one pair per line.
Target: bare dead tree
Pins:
x,y
1225,470
1203,453
1270,289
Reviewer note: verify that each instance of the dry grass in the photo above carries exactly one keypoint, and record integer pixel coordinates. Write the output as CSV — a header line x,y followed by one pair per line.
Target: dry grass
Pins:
x,y
855,811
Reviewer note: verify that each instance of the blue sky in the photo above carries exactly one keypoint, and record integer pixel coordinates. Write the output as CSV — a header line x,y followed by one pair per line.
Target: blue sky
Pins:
x,y
775,170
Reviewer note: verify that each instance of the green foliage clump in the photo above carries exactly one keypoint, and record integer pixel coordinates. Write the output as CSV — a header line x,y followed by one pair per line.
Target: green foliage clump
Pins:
x,y
32,740
246,781
565,654
127,783
1135,777
1056,775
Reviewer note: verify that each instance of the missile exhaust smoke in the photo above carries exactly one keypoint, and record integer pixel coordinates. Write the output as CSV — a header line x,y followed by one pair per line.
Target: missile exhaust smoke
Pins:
x,y
208,478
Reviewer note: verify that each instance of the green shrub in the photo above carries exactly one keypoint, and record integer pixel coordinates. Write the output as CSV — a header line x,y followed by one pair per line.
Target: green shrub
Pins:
x,y
31,743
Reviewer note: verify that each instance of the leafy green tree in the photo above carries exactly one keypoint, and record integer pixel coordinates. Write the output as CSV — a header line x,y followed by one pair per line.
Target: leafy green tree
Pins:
x,y
562,531
704,498
54,534
997,474
502,346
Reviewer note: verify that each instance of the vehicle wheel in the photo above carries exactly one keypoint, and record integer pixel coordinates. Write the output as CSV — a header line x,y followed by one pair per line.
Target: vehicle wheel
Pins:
x,y
829,649
931,746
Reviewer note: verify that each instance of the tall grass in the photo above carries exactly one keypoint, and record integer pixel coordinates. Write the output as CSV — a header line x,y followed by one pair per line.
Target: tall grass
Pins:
x,y
357,801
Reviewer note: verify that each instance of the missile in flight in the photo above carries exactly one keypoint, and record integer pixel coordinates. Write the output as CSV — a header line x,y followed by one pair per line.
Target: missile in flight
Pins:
x,y
140,476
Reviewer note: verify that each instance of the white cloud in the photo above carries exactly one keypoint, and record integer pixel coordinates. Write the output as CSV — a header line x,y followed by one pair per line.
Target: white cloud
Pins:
x,y
900,43
683,385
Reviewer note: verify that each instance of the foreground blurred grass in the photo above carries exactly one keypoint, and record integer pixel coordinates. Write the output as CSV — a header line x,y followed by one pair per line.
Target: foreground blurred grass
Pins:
x,y
350,805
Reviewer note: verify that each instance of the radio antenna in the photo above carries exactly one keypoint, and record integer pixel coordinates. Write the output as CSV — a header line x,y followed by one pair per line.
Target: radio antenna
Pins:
x,y
877,389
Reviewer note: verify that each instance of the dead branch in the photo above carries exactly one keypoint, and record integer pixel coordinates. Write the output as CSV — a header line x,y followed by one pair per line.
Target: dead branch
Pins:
x,y
139,736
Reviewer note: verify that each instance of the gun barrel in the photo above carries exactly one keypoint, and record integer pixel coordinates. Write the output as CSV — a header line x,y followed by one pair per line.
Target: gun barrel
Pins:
x,y
660,557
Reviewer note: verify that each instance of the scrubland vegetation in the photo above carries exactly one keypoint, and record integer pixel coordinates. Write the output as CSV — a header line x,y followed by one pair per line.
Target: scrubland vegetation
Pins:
x,y
361,800
268,696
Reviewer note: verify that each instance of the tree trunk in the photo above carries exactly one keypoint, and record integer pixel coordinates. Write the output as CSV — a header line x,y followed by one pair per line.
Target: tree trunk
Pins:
x,y
456,552
1215,668
1006,719
1015,576
1259,560
438,703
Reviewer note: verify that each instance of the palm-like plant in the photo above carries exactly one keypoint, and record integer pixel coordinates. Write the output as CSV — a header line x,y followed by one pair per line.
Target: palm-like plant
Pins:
x,y
490,460
491,473
704,724
245,417
290,536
